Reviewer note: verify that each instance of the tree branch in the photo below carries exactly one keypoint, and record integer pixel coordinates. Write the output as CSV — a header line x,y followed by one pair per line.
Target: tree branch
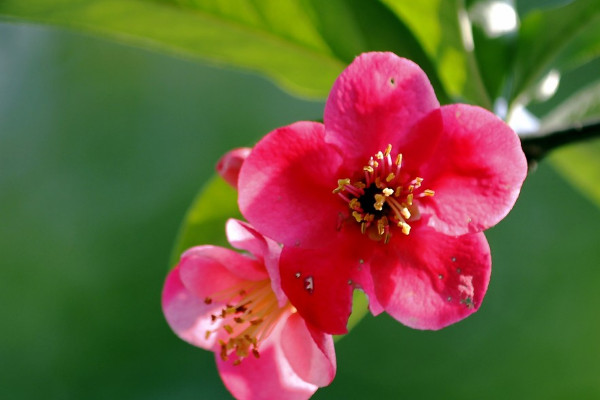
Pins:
x,y
538,146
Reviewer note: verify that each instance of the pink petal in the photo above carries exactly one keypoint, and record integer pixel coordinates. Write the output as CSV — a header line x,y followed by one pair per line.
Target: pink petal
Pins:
x,y
285,186
476,171
319,282
310,352
433,280
187,315
229,165
205,270
243,236
268,377
375,102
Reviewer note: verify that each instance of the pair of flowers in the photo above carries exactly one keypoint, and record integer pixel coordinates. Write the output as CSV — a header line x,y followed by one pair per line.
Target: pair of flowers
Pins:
x,y
389,195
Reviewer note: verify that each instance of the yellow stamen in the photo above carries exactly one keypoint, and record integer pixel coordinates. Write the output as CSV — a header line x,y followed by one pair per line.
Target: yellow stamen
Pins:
x,y
382,223
405,227
388,150
354,204
357,216
398,161
388,192
409,199
428,192
379,200
390,177
341,185
405,213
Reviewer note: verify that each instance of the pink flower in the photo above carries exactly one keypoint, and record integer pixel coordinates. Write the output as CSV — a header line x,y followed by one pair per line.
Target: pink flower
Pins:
x,y
229,165
232,304
389,195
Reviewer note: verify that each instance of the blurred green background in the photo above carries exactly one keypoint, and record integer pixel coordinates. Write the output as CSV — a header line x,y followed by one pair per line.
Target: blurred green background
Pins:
x,y
102,149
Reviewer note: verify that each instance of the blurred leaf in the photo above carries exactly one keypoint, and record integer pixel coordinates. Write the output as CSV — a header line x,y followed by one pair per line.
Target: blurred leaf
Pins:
x,y
241,33
584,47
351,27
437,26
301,44
579,163
204,222
360,308
560,37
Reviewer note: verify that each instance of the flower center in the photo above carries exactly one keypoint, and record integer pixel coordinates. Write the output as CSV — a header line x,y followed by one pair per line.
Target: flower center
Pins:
x,y
248,316
383,199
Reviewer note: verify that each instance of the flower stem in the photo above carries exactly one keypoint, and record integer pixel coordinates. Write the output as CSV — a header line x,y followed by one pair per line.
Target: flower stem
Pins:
x,y
536,147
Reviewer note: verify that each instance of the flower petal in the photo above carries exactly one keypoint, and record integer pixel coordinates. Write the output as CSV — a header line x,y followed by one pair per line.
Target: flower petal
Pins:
x,y
433,280
230,164
319,282
243,236
285,186
309,351
476,171
205,270
268,377
187,315
375,102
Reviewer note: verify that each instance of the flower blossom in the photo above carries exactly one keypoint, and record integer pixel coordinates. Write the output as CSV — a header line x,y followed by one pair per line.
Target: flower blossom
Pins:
x,y
389,195
232,304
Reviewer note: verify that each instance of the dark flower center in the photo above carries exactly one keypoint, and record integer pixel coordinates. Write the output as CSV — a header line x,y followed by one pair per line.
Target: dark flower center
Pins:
x,y
383,200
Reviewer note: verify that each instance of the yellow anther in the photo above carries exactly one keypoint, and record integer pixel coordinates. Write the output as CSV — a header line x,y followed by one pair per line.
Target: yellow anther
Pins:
x,y
369,217
388,192
368,168
418,181
379,155
388,150
354,204
405,213
411,188
398,191
357,216
359,185
228,328
379,200
405,228
409,199
363,227
398,161
382,223
341,185
390,177
428,192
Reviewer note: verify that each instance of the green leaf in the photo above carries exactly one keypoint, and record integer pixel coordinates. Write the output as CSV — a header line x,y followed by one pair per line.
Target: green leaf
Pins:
x,y
438,25
579,163
302,44
560,37
237,33
204,222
